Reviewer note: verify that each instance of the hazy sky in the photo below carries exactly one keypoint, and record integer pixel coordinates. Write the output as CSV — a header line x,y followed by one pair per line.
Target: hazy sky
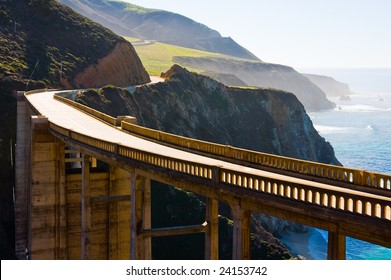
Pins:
x,y
298,33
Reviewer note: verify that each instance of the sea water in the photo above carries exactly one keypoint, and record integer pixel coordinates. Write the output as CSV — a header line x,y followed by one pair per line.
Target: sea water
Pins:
x,y
360,132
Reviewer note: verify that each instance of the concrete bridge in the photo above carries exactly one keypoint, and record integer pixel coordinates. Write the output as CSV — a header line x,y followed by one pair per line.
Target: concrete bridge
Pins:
x,y
83,187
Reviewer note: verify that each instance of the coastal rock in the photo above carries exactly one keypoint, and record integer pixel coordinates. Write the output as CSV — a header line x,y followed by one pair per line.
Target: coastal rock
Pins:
x,y
345,98
197,106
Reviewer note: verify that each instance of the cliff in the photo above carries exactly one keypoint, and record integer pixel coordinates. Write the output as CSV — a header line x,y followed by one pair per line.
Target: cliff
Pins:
x,y
196,106
117,68
263,75
149,24
329,85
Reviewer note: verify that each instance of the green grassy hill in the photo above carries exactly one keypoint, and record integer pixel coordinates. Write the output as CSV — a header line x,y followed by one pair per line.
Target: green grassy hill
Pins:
x,y
158,57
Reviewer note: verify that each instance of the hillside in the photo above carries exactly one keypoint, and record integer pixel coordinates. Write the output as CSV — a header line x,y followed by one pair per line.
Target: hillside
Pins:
x,y
329,85
39,43
46,44
148,24
196,106
158,57
260,74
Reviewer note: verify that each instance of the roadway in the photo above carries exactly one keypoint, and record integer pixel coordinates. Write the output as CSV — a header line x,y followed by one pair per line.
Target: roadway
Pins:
x,y
71,118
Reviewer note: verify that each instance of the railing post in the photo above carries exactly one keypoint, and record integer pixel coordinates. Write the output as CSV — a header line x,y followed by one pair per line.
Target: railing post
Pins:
x,y
336,246
212,233
85,209
241,232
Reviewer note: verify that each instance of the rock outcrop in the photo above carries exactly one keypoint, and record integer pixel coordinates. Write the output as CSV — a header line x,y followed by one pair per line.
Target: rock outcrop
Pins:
x,y
197,106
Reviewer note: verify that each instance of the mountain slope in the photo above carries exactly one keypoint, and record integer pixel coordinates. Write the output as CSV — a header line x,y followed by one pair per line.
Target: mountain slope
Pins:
x,y
134,21
39,42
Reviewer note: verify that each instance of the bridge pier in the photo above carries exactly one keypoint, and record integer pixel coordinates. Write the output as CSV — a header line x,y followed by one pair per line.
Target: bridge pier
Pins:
x,y
140,218
118,214
43,196
241,232
212,232
336,246
85,209
22,175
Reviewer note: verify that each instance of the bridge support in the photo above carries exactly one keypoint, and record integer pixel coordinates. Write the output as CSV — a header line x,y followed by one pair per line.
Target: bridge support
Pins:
x,y
336,246
241,233
118,215
85,209
212,232
46,197
22,176
140,218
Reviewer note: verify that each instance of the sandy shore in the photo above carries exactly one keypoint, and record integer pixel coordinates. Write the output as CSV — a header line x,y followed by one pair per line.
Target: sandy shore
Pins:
x,y
298,243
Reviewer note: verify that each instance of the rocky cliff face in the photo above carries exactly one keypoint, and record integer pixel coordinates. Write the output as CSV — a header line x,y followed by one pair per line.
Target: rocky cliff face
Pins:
x,y
264,75
196,106
193,105
121,67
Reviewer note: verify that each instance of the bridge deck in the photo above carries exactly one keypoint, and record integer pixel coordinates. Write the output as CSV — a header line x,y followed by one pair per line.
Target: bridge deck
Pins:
x,y
73,119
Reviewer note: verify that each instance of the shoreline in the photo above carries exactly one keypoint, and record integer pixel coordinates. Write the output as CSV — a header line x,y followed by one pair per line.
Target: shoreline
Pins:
x,y
308,245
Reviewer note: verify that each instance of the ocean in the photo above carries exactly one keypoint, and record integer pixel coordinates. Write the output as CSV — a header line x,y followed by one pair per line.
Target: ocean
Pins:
x,y
360,132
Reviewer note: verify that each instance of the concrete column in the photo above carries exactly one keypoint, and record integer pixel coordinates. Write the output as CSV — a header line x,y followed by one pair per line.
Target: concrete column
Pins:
x,y
336,246
22,176
140,218
45,198
85,209
147,223
61,205
241,233
212,234
134,217
118,216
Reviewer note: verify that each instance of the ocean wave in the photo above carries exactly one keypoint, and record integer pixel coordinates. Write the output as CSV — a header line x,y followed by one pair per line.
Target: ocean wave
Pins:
x,y
362,108
324,129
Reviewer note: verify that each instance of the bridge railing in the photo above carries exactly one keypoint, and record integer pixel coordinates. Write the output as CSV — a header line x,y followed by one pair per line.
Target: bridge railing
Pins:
x,y
99,115
350,175
331,172
321,195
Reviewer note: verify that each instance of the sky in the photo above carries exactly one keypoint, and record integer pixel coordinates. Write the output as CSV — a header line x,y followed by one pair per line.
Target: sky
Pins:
x,y
299,33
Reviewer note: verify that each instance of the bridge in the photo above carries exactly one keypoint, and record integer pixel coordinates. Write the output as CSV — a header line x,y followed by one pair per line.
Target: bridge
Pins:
x,y
83,186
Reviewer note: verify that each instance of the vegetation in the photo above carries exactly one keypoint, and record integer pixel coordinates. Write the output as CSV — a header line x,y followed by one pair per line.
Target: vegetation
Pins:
x,y
37,41
158,57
